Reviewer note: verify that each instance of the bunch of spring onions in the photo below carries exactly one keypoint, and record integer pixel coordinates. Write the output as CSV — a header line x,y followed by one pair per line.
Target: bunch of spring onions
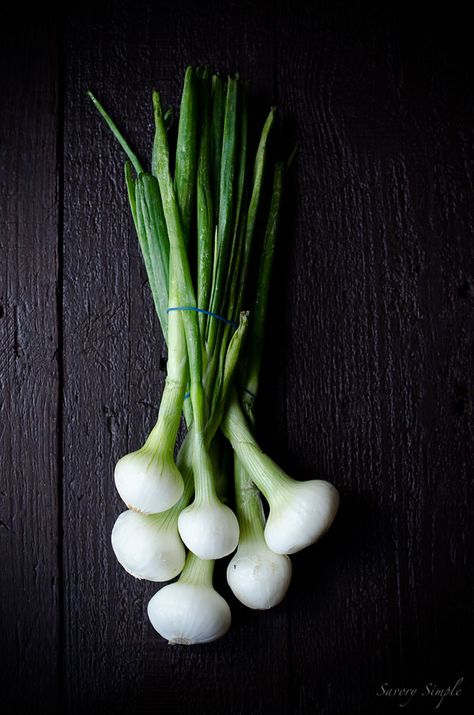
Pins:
x,y
206,218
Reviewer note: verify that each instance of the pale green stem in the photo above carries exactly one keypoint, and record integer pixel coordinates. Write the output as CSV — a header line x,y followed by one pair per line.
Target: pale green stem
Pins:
x,y
249,506
162,437
184,464
263,471
204,486
196,571
164,433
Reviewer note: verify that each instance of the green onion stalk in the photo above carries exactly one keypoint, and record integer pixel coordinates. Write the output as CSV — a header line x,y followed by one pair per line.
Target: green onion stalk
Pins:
x,y
197,215
258,577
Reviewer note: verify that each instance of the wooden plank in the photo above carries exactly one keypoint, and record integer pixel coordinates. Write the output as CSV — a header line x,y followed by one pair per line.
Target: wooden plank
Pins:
x,y
366,380
29,380
112,376
100,266
378,351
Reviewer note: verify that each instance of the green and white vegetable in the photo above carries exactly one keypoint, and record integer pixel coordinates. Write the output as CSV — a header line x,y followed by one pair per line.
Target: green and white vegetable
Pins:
x,y
148,545
258,577
190,611
148,479
206,218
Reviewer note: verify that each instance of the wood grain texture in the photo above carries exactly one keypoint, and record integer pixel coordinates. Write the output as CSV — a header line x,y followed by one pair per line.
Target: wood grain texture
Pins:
x,y
379,346
120,381
368,371
29,380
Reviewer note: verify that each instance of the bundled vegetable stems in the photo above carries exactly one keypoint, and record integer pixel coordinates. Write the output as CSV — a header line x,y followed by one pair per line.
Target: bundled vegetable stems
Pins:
x,y
197,215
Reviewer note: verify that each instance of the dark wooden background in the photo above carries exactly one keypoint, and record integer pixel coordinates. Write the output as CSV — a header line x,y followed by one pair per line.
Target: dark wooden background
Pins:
x,y
367,380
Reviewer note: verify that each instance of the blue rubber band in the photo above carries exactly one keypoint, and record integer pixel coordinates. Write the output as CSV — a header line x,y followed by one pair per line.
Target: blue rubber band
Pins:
x,y
206,312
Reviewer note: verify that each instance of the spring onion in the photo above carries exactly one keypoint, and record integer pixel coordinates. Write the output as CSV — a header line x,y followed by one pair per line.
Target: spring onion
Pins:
x,y
148,546
198,215
258,577
190,611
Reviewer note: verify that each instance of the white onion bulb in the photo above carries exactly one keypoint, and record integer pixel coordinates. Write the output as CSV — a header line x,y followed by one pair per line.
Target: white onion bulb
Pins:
x,y
190,611
300,513
258,577
147,546
148,480
209,529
